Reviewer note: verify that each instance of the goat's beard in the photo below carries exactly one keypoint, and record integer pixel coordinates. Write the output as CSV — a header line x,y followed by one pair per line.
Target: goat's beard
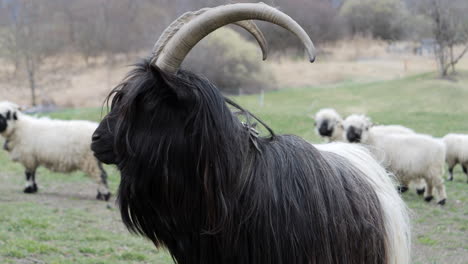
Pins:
x,y
197,181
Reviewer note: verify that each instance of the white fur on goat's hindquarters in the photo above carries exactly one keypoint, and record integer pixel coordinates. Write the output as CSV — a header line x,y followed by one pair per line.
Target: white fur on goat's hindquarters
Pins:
x,y
456,152
393,207
328,124
61,146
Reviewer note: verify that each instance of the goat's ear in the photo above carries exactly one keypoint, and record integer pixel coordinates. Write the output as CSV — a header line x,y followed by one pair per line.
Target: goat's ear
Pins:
x,y
174,86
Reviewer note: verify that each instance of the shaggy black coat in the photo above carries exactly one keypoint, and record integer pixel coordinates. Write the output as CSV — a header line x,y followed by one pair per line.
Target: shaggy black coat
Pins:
x,y
201,183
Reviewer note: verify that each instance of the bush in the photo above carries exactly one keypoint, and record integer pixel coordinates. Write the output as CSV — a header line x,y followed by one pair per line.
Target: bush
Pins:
x,y
383,19
232,63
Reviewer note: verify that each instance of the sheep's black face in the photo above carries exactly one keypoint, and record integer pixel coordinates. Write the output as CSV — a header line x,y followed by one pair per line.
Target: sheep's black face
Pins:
x,y
324,131
3,123
354,134
5,118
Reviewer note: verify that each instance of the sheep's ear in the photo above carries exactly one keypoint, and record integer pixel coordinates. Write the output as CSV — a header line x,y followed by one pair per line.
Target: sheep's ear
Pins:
x,y
15,116
8,115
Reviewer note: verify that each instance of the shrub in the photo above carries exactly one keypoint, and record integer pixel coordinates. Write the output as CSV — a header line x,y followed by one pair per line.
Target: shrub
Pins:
x,y
232,63
383,19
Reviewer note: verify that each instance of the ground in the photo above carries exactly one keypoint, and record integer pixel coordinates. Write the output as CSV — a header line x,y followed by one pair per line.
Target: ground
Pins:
x,y
64,224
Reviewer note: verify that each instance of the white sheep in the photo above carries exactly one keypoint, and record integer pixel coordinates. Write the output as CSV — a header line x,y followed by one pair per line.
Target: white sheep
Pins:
x,y
456,152
419,184
394,129
409,156
328,124
61,146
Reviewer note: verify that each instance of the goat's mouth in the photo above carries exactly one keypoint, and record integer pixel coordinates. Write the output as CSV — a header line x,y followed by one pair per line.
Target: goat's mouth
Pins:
x,y
106,156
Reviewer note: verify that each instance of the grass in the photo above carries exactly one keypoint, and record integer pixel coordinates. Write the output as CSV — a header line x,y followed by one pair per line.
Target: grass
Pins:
x,y
63,223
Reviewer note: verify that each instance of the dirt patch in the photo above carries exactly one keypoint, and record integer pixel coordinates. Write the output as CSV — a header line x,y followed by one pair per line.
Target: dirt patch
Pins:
x,y
59,195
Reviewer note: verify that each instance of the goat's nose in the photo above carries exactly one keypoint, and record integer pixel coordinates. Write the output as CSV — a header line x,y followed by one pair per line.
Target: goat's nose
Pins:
x,y
95,137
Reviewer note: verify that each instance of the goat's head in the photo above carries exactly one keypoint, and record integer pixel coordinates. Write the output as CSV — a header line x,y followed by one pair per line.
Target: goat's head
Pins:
x,y
165,123
156,87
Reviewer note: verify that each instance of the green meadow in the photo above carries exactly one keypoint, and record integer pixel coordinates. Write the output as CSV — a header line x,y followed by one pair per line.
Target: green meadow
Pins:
x,y
63,223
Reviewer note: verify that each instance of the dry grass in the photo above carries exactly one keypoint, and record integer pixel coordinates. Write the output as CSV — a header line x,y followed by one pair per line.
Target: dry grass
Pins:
x,y
69,82
359,59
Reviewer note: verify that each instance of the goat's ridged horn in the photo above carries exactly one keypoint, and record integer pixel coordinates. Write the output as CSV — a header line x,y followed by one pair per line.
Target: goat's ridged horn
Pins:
x,y
174,27
179,45
255,31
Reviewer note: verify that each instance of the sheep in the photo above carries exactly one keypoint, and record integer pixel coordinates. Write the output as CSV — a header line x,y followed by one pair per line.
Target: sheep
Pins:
x,y
409,156
61,146
328,124
209,188
456,146
393,129
419,184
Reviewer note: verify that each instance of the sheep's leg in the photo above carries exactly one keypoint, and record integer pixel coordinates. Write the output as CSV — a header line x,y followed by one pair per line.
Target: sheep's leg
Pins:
x,y
103,189
428,196
450,170
451,165
420,186
465,170
440,188
31,186
403,187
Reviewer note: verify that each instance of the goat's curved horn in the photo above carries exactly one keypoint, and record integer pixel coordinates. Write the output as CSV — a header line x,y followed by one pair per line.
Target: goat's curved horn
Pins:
x,y
179,45
255,31
174,27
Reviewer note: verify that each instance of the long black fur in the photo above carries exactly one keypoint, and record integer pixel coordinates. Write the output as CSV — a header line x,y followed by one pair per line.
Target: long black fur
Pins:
x,y
194,180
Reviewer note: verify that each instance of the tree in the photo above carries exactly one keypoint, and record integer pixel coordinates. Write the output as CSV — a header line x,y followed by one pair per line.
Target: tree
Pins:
x,y
32,37
449,28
